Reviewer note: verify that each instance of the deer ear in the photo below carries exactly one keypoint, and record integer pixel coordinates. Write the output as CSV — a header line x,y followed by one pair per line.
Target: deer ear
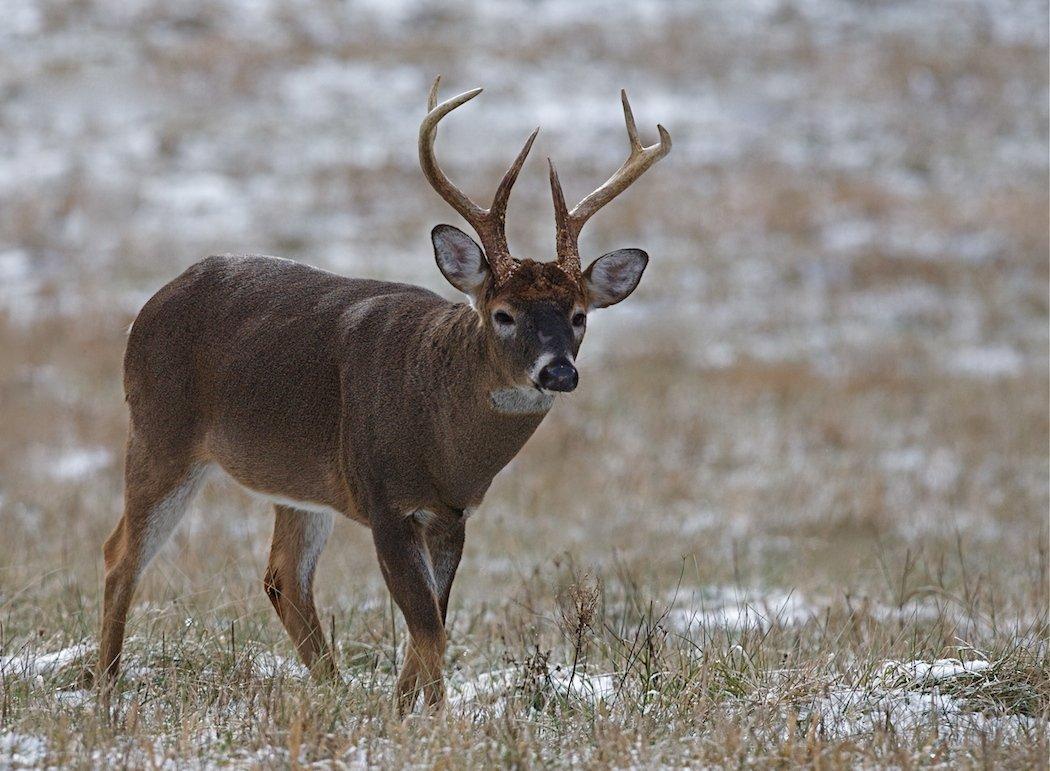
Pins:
x,y
459,259
613,276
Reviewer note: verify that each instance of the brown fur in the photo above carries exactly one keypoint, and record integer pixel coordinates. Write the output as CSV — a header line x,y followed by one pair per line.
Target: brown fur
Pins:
x,y
328,390
369,398
530,281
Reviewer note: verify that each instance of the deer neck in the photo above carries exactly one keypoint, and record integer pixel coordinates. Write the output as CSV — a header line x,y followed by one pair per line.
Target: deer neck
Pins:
x,y
486,420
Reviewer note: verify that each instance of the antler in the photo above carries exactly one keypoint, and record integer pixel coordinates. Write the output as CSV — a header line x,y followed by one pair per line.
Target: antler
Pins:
x,y
569,223
488,223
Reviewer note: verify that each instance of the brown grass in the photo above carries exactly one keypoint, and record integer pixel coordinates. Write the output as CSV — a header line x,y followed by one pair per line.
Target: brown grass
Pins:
x,y
774,479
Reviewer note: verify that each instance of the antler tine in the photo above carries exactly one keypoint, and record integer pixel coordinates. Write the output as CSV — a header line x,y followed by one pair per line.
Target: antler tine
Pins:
x,y
498,251
638,162
488,223
499,201
432,97
632,128
561,213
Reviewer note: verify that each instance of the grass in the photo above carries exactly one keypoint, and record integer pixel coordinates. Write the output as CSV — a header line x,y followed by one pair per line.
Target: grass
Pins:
x,y
601,616
796,514
758,694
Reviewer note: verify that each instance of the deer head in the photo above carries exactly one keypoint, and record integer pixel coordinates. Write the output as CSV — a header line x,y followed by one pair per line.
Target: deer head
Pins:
x,y
534,313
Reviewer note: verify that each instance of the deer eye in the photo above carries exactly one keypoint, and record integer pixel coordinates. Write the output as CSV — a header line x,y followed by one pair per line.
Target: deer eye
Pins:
x,y
503,318
579,319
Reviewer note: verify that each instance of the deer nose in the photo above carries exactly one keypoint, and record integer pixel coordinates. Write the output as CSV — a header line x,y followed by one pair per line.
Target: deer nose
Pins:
x,y
559,375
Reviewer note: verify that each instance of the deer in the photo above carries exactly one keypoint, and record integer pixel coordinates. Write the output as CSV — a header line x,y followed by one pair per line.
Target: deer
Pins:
x,y
381,402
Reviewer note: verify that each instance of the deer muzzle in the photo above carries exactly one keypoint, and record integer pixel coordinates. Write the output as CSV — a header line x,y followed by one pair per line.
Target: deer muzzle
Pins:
x,y
559,375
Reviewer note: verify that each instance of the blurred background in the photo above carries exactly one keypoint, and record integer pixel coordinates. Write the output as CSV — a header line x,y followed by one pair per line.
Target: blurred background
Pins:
x,y
853,185
837,360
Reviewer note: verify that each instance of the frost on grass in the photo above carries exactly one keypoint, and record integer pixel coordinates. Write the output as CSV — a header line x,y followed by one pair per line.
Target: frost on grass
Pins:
x,y
28,663
846,712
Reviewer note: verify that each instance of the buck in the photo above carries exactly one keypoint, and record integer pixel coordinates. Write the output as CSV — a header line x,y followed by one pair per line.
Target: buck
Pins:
x,y
378,401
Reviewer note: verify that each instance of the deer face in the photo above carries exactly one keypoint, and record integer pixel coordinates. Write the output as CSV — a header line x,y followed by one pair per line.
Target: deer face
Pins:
x,y
536,314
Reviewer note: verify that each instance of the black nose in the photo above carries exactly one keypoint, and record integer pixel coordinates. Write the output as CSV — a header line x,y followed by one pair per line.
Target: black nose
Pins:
x,y
559,375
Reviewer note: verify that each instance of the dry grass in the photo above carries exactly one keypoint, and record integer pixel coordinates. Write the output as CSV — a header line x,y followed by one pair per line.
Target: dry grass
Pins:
x,y
812,539
807,460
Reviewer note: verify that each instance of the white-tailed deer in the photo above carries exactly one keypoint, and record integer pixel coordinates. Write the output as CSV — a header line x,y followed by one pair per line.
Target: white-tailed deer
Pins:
x,y
373,400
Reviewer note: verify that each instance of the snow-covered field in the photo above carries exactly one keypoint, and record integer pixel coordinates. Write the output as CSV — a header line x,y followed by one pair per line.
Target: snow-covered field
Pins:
x,y
808,461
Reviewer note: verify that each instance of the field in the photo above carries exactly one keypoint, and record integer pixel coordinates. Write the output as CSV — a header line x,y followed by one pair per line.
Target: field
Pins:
x,y
797,511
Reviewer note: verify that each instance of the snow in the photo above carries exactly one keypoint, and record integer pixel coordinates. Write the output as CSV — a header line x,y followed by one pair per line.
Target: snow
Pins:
x,y
27,664
590,688
271,665
734,608
904,459
851,712
490,690
938,471
905,696
18,285
481,687
917,673
901,696
14,267
22,750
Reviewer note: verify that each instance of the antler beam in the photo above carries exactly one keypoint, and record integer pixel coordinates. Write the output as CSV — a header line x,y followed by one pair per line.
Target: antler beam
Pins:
x,y
569,223
490,224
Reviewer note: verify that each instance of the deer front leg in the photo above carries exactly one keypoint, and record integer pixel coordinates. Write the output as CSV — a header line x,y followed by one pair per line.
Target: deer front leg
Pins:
x,y
409,574
445,544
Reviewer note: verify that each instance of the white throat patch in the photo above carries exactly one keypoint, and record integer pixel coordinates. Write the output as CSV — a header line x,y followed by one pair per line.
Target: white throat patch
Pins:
x,y
521,400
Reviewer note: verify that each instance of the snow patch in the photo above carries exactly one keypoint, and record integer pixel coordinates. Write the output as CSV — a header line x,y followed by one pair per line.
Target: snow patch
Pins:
x,y
18,285
491,690
921,673
905,696
851,712
270,665
590,688
22,750
735,608
481,688
26,664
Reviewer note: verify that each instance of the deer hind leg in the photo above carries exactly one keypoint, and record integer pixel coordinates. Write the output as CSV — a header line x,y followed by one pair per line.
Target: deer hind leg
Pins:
x,y
409,574
157,490
298,538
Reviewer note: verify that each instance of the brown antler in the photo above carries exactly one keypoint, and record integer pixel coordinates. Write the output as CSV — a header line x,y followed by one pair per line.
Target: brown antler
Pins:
x,y
488,223
569,223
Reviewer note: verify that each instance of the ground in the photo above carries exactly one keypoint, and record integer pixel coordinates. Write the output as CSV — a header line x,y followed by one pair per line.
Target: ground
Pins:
x,y
796,511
